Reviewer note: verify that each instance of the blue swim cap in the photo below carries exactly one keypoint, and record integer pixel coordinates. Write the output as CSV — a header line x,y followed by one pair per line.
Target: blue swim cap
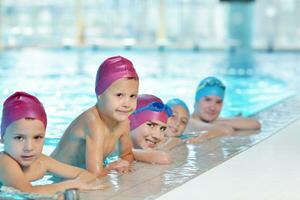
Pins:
x,y
210,86
175,102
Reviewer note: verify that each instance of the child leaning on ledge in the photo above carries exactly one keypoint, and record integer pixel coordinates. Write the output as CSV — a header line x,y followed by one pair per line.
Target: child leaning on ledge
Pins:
x,y
95,133
23,129
207,108
148,125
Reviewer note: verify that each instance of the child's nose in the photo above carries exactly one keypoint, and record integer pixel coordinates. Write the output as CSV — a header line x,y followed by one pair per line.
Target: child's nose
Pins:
x,y
212,106
127,102
157,135
28,145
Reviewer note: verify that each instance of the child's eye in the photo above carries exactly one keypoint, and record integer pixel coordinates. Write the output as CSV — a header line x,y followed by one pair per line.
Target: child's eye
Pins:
x,y
163,129
150,125
219,102
39,137
119,94
207,99
20,138
134,96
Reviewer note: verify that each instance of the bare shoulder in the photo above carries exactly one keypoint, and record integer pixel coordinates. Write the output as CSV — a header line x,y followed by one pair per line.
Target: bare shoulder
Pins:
x,y
7,164
5,159
89,122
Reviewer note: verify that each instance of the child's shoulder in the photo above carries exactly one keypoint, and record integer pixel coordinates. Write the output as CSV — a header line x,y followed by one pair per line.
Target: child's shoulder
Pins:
x,y
4,156
6,160
90,115
88,118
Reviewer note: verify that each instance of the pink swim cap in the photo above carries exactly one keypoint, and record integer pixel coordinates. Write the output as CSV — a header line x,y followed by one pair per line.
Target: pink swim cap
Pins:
x,y
111,70
149,107
21,105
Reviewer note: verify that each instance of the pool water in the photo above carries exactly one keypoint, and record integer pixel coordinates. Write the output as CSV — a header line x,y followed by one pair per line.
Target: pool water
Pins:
x,y
63,79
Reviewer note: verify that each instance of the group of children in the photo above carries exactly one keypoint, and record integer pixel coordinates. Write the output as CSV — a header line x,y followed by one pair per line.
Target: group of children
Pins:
x,y
136,126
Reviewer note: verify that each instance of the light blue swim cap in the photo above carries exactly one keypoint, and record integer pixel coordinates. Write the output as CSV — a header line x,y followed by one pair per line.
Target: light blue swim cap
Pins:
x,y
210,86
175,102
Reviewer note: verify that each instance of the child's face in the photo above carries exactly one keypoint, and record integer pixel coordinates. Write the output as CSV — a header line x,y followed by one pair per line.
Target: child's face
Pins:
x,y
149,134
24,140
178,122
120,99
209,108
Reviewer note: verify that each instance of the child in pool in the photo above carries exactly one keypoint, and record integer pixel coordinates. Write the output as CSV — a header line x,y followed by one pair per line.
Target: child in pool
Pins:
x,y
23,128
148,124
180,118
92,136
208,104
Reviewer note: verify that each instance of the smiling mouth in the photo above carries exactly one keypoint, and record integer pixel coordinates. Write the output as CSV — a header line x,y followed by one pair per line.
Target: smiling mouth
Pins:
x,y
124,111
151,142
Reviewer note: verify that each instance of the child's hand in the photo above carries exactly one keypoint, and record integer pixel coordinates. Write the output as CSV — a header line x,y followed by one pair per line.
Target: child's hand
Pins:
x,y
125,169
120,165
81,184
227,130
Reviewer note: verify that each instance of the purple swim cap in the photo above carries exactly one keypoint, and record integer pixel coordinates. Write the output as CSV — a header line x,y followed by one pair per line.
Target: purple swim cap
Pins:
x,y
112,69
143,114
21,105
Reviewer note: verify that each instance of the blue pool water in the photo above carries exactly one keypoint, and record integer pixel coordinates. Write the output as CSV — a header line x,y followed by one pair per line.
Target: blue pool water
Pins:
x,y
63,79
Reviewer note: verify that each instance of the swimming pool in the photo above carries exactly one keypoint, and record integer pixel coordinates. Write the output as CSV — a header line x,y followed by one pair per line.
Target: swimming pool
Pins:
x,y
63,79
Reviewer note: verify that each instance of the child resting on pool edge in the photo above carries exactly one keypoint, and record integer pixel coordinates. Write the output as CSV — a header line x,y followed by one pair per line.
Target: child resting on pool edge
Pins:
x,y
207,108
23,126
93,135
148,125
180,118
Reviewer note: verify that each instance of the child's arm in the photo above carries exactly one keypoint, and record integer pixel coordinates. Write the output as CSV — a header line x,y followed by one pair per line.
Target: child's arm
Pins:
x,y
240,123
126,143
12,175
197,125
67,171
94,152
126,148
216,131
152,156
126,155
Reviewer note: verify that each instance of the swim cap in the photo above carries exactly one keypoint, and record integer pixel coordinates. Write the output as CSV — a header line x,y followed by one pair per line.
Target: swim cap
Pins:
x,y
149,107
210,86
176,101
21,105
112,69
